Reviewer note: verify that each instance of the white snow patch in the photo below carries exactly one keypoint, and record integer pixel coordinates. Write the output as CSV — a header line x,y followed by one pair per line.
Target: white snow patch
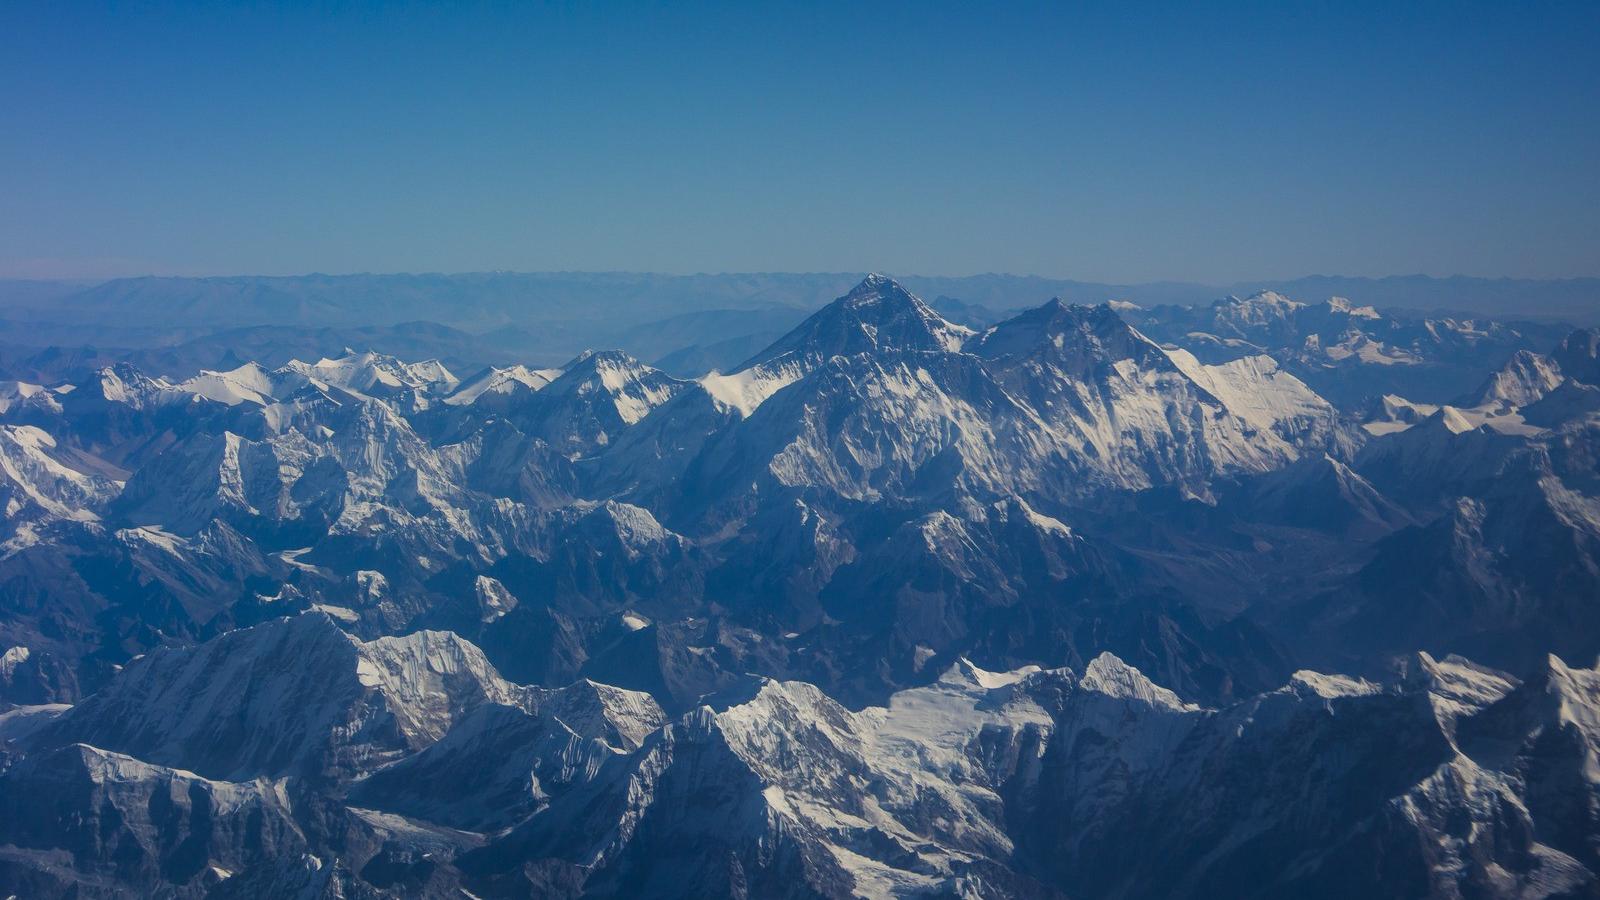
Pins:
x,y
744,391
343,614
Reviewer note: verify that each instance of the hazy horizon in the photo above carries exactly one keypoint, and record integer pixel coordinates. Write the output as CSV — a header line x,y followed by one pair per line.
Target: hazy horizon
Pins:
x,y
735,273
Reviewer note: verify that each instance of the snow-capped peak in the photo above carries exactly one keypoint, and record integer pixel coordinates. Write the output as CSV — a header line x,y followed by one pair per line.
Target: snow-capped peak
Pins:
x,y
495,381
249,383
375,373
289,695
1273,299
1343,305
1523,380
1111,676
633,388
1076,339
877,315
123,383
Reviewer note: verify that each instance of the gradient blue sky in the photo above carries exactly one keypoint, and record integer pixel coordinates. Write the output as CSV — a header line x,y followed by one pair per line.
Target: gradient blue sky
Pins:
x,y
1119,142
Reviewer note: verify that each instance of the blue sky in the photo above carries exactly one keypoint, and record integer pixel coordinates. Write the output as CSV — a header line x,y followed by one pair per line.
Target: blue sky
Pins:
x,y
1121,142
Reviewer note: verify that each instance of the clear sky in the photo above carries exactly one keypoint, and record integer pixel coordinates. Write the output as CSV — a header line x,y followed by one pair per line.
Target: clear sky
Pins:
x,y
1120,142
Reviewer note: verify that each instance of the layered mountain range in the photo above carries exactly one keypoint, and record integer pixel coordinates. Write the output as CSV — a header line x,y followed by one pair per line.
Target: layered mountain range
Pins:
x,y
895,606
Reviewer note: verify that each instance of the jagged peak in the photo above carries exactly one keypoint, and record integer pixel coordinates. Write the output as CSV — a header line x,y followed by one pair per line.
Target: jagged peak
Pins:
x,y
301,685
311,625
491,718
879,299
1556,668
1058,305
1306,682
1576,692
123,370
612,370
1559,675
770,692
124,382
250,367
1272,298
877,315
613,377
1557,695
1579,347
1057,308
633,525
695,725
1311,472
1450,419
965,673
368,370
1343,305
1454,674
876,286
1107,674
600,358
1524,379
1014,507
501,380
1087,334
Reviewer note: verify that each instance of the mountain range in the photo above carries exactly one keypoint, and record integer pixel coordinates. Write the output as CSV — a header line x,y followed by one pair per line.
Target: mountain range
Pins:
x,y
1256,597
